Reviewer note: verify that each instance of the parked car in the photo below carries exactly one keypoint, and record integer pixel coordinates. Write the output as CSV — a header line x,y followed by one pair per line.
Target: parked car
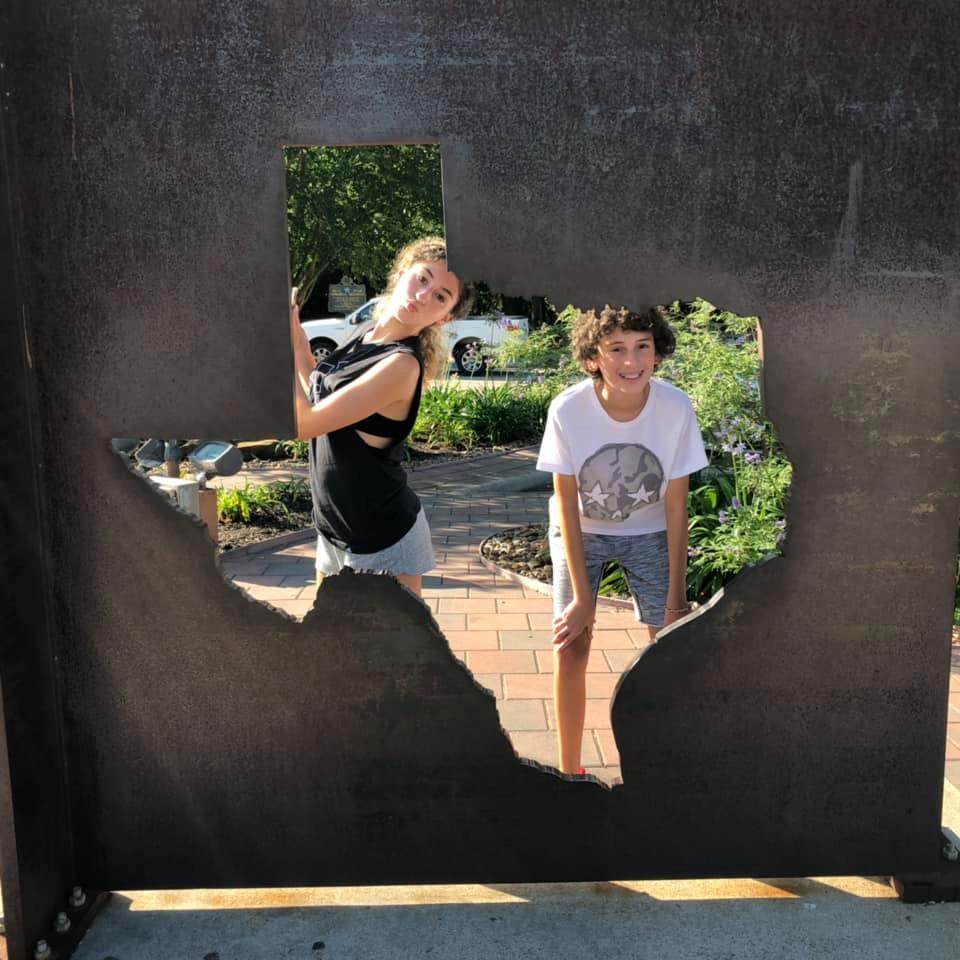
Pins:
x,y
471,336
328,333
468,337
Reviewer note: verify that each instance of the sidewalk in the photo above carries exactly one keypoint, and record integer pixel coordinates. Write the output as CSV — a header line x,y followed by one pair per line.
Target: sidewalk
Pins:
x,y
500,629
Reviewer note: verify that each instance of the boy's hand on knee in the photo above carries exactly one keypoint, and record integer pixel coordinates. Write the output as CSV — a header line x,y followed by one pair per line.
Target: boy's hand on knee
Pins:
x,y
576,617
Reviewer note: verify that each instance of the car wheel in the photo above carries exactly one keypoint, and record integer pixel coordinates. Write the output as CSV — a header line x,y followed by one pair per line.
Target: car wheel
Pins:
x,y
321,348
469,358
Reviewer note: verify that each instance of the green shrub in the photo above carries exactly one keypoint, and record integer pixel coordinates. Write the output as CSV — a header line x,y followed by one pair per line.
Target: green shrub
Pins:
x,y
293,449
544,351
491,416
249,504
956,598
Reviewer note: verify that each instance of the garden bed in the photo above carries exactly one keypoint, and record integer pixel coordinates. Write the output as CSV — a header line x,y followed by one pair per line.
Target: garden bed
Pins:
x,y
522,550
291,511
235,535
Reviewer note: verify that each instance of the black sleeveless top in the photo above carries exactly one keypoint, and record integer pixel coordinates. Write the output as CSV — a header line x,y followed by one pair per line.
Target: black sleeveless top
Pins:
x,y
361,500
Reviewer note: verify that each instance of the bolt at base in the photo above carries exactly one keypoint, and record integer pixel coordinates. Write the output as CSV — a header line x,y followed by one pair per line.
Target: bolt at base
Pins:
x,y
62,923
41,950
77,897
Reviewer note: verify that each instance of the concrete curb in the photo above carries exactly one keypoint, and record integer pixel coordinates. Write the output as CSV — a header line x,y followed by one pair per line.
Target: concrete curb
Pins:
x,y
533,481
272,543
610,603
428,467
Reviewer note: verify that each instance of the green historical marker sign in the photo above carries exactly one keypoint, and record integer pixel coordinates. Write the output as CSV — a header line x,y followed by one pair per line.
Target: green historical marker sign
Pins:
x,y
345,296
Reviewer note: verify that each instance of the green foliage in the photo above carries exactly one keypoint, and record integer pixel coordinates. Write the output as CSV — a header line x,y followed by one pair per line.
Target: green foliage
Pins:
x,y
249,504
735,518
486,303
956,598
462,419
293,449
353,208
717,364
544,351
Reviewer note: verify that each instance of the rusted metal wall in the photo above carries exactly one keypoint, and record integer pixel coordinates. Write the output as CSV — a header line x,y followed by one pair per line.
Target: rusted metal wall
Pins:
x,y
799,165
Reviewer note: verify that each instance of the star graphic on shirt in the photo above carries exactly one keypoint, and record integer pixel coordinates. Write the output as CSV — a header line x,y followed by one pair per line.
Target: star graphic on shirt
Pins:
x,y
643,495
597,495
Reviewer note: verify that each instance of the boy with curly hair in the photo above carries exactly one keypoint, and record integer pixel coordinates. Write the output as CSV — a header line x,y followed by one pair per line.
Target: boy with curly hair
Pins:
x,y
621,446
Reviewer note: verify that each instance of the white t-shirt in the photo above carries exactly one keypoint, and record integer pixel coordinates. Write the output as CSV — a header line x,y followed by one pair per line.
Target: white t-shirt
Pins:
x,y
622,469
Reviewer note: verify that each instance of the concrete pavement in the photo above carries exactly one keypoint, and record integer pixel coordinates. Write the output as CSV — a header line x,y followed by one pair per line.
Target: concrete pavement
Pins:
x,y
806,919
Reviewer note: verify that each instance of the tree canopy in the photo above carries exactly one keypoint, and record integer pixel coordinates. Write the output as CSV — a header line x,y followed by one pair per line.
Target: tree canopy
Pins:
x,y
353,208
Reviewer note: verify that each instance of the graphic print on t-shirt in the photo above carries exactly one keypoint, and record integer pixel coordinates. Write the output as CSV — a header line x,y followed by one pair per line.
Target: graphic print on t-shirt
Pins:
x,y
619,479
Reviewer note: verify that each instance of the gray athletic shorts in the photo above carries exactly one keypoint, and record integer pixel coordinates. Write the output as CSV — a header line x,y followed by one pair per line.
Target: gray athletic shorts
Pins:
x,y
412,554
643,557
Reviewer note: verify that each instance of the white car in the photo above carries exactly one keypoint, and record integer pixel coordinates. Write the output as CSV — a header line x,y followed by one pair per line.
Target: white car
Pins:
x,y
327,334
468,336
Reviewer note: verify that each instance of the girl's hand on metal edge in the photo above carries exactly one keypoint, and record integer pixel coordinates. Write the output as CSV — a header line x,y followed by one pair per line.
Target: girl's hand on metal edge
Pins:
x,y
298,336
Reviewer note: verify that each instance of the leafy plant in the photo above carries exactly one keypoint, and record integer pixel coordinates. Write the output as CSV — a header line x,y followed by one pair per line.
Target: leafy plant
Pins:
x,y
293,449
248,504
544,351
717,364
494,415
956,598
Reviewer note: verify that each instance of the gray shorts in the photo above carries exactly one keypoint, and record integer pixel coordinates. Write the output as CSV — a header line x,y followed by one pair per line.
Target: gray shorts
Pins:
x,y
412,554
643,557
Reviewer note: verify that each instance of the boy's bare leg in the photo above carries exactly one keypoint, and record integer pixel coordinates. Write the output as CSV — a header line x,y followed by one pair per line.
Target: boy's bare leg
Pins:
x,y
411,582
570,699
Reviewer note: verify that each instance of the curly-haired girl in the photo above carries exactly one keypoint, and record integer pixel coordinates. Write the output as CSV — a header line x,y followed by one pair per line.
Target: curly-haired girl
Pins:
x,y
358,406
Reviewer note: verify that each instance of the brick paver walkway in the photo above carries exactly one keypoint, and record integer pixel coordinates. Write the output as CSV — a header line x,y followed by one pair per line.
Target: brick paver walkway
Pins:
x,y
501,630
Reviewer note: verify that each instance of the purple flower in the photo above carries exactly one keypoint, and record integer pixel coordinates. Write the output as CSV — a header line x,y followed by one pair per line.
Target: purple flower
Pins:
x,y
693,551
780,524
735,503
722,516
740,449
753,457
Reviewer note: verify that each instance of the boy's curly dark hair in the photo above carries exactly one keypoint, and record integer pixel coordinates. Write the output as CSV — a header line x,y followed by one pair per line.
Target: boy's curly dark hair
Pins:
x,y
592,325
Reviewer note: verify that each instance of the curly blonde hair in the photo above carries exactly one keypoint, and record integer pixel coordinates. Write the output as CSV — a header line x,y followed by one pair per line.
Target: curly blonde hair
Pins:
x,y
433,342
591,326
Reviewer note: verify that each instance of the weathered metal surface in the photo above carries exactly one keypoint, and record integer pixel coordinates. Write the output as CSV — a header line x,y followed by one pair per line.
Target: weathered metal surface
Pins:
x,y
36,857
800,166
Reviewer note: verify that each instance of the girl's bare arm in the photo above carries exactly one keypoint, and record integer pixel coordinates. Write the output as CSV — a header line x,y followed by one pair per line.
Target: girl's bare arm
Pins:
x,y
303,362
388,382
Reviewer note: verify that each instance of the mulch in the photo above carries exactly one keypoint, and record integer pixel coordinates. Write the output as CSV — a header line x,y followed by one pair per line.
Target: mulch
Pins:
x,y
522,550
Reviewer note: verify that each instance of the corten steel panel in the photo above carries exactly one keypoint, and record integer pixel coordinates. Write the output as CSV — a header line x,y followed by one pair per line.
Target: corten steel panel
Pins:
x,y
800,166
36,856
